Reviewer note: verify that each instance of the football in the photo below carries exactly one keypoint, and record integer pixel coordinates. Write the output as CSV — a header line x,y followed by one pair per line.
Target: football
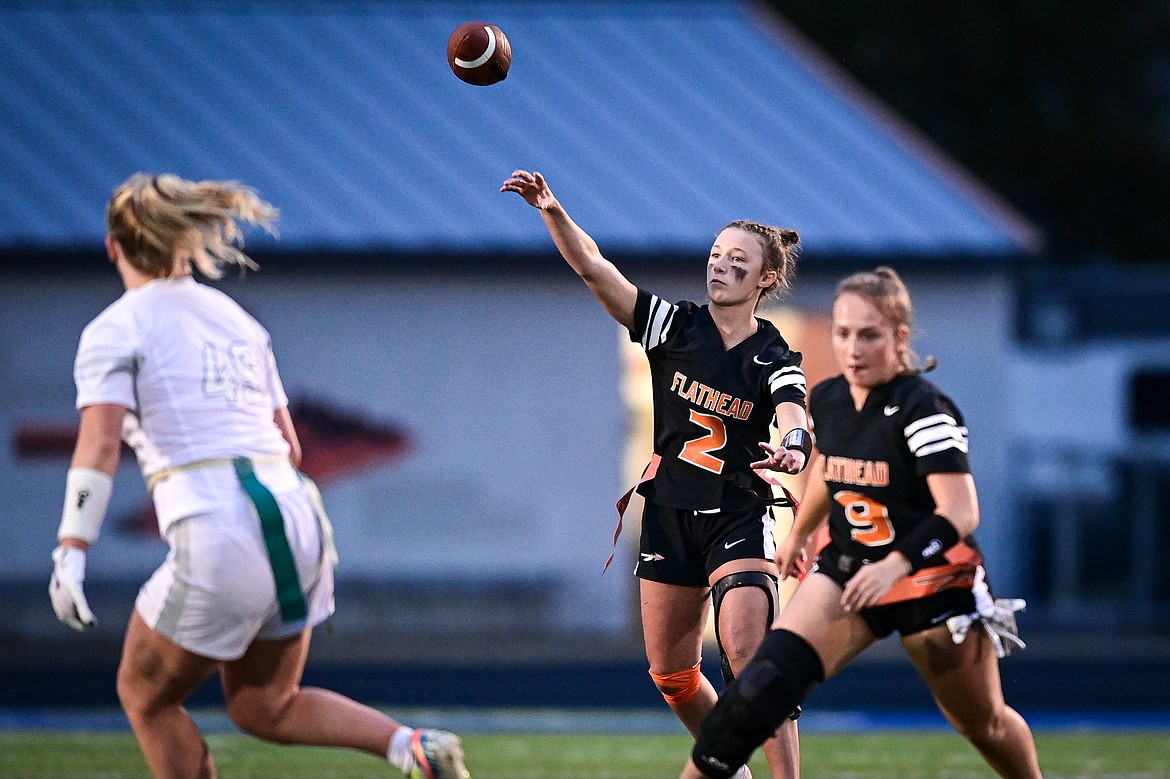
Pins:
x,y
479,53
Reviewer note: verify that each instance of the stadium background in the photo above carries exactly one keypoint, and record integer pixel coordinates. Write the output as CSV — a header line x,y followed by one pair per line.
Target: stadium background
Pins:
x,y
470,411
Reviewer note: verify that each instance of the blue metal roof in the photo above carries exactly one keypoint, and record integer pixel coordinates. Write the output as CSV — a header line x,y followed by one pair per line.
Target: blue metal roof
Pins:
x,y
655,122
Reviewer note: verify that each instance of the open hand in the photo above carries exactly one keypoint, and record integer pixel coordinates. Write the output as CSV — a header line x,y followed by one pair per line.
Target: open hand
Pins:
x,y
532,187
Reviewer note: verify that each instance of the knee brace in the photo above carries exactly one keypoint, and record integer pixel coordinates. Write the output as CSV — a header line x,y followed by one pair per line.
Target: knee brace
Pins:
x,y
680,686
725,585
782,674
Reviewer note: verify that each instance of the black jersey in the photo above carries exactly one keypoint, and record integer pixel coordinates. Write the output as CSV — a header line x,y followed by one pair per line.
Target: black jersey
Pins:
x,y
712,406
875,461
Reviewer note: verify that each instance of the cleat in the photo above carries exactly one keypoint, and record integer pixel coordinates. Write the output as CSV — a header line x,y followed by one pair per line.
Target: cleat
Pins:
x,y
437,755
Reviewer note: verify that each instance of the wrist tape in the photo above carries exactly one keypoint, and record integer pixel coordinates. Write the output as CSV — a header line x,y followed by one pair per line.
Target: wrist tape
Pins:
x,y
801,440
87,494
933,536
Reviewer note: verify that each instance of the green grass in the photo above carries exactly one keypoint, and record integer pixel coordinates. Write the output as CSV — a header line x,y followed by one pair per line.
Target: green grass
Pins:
x,y
900,755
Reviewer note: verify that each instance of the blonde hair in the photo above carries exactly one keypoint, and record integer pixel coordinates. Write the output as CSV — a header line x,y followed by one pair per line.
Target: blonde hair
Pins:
x,y
885,289
159,219
781,251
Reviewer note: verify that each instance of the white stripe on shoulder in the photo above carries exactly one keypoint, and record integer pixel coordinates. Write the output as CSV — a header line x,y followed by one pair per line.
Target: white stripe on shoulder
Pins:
x,y
792,376
661,315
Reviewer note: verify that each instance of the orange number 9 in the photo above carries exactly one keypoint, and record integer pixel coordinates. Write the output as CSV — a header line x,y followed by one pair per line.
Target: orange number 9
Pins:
x,y
870,519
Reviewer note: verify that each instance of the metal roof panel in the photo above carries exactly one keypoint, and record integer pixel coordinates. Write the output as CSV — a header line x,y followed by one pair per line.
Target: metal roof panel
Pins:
x,y
655,122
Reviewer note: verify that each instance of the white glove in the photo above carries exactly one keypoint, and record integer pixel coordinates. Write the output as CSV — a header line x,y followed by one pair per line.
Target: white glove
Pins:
x,y
999,620
65,588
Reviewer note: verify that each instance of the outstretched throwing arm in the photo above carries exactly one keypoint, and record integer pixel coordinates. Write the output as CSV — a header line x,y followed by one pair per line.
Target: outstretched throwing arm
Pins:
x,y
604,280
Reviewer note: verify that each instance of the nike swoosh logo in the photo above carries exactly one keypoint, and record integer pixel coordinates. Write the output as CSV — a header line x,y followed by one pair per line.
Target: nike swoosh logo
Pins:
x,y
890,410
758,361
733,543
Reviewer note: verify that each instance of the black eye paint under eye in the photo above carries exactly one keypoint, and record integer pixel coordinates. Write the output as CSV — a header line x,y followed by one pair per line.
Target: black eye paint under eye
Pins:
x,y
740,273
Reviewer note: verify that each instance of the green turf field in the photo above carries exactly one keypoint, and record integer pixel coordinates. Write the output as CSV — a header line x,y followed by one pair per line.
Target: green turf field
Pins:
x,y
896,755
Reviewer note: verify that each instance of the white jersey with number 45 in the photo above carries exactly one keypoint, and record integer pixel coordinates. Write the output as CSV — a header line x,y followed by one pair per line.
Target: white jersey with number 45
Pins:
x,y
197,375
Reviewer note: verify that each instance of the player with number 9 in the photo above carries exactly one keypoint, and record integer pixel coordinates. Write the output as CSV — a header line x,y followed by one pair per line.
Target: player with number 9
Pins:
x,y
892,482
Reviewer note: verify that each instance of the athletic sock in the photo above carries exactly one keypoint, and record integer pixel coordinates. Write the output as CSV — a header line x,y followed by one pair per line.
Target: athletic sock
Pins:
x,y
400,754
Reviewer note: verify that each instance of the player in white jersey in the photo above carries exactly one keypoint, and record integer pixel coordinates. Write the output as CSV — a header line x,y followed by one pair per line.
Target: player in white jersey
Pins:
x,y
188,379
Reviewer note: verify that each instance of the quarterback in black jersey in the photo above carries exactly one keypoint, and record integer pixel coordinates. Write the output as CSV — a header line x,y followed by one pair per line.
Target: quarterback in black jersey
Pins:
x,y
720,377
892,479
713,404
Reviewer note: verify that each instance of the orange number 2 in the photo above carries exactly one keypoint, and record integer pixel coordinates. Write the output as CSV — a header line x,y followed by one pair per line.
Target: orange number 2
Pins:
x,y
698,451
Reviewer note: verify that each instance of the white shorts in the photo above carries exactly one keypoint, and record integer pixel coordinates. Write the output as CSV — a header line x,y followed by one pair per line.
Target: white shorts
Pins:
x,y
215,594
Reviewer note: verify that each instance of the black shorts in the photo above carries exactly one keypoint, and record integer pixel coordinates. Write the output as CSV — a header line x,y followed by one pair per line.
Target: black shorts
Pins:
x,y
905,617
684,547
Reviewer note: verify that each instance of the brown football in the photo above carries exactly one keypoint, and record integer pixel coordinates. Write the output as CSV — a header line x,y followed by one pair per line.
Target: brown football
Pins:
x,y
479,53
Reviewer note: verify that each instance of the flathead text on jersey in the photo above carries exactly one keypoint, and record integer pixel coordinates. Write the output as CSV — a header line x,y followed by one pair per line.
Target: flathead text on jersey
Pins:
x,y
863,473
710,399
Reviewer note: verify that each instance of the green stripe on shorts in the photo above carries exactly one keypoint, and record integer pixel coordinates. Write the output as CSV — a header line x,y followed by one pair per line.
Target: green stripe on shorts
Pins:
x,y
284,569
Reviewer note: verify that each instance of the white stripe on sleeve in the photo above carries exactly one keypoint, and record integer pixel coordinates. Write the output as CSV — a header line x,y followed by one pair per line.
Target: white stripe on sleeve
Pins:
x,y
940,446
933,419
934,434
661,315
792,376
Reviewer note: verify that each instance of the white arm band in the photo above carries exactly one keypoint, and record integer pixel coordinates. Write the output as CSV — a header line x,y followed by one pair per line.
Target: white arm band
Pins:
x,y
87,493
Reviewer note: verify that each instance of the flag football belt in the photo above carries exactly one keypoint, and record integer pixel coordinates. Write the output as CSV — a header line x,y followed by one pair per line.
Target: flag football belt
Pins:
x,y
215,462
962,561
269,459
624,502
787,499
959,571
